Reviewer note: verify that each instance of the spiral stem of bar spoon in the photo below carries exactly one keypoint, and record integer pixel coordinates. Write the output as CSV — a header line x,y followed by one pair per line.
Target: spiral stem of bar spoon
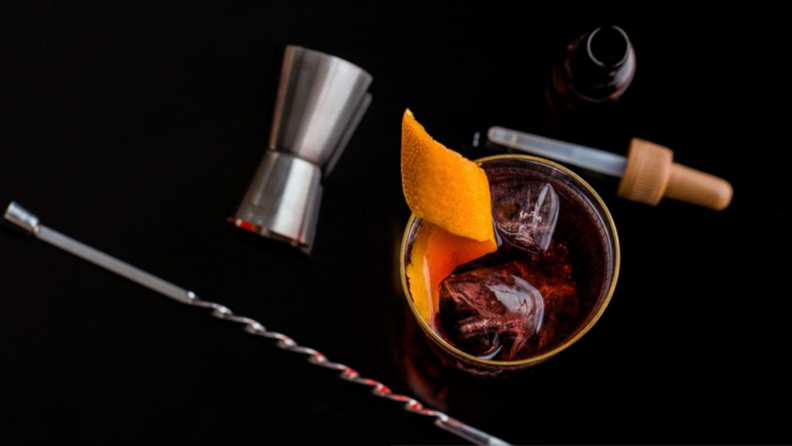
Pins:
x,y
20,217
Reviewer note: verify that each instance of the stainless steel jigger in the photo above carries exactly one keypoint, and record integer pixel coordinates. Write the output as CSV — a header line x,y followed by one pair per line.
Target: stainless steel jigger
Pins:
x,y
321,99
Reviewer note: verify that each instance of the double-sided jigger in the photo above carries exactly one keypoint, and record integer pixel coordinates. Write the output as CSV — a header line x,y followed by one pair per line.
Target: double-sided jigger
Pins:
x,y
321,99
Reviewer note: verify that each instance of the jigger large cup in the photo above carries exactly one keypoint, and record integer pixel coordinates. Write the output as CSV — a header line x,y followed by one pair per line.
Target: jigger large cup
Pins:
x,y
321,99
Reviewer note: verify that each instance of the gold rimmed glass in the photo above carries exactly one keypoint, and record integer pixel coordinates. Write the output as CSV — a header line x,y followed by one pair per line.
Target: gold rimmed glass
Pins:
x,y
596,256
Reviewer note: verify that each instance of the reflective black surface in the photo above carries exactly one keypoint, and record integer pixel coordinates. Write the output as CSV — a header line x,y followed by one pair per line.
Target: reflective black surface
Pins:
x,y
137,129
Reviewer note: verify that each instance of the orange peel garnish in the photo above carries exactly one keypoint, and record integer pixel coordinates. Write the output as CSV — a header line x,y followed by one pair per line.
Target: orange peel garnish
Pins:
x,y
452,196
442,186
435,255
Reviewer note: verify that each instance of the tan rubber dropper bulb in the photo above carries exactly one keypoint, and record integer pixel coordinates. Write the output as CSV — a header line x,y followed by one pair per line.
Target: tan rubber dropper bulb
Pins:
x,y
652,174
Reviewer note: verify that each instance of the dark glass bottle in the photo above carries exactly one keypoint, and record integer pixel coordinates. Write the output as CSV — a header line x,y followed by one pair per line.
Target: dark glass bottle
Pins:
x,y
595,71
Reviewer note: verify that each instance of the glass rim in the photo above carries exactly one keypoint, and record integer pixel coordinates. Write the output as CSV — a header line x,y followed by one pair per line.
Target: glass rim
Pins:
x,y
558,348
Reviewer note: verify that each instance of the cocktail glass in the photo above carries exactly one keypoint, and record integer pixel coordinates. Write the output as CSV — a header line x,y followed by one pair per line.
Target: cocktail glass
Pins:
x,y
584,226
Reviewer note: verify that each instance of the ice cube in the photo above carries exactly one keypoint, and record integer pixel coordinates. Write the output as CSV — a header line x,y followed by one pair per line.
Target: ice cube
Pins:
x,y
525,213
490,311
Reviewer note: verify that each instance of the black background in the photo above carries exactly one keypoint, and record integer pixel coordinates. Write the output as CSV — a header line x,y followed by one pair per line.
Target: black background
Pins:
x,y
136,130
